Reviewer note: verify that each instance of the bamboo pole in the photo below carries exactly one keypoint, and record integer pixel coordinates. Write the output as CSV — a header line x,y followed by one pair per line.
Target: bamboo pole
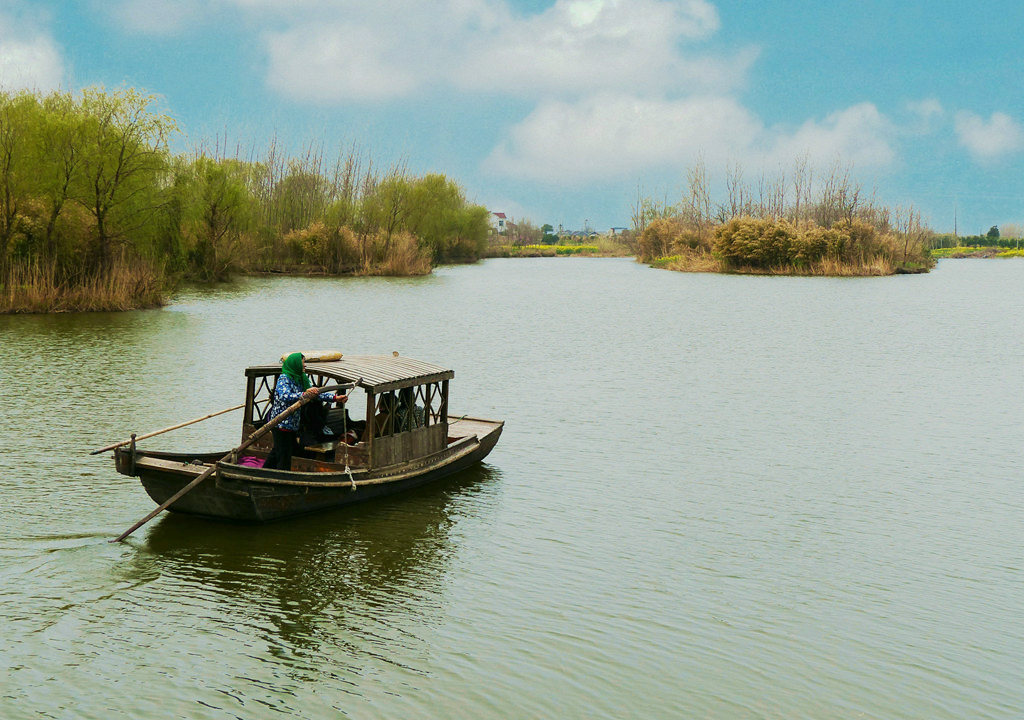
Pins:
x,y
260,432
166,429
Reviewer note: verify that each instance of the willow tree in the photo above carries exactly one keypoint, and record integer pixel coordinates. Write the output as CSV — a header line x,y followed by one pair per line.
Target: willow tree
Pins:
x,y
440,216
16,173
60,148
124,162
220,209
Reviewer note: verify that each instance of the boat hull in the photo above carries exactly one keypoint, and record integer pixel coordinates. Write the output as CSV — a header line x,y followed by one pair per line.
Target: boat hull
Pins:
x,y
255,495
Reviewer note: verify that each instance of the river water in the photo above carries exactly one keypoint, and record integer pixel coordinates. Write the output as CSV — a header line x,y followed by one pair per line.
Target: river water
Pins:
x,y
716,496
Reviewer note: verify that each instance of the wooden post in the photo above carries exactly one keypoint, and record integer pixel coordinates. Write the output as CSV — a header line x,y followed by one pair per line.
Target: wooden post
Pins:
x,y
426,410
250,396
371,419
444,402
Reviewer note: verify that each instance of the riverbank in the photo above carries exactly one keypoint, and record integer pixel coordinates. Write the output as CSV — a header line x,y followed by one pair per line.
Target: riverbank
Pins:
x,y
530,251
704,262
976,252
33,289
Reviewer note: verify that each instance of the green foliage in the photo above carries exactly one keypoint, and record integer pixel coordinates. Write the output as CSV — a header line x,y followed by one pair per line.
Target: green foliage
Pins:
x,y
993,233
548,236
124,159
948,240
448,226
217,211
88,188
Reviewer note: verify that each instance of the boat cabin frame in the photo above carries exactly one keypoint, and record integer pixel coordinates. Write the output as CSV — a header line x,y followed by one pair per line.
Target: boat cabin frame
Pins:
x,y
406,413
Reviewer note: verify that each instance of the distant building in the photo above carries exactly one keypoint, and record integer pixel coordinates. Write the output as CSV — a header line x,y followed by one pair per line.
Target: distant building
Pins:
x,y
499,222
616,231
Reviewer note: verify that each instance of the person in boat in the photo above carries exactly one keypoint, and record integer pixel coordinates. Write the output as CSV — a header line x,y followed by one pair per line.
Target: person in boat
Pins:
x,y
382,420
292,384
410,415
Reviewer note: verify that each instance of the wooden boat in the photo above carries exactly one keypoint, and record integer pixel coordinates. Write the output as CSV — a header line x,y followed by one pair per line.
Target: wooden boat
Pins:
x,y
408,439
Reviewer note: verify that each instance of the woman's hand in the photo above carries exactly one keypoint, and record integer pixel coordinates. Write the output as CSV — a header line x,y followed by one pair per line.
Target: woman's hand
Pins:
x,y
311,392
340,398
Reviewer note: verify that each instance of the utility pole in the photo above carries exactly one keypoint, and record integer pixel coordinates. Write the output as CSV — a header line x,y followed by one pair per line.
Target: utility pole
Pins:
x,y
955,235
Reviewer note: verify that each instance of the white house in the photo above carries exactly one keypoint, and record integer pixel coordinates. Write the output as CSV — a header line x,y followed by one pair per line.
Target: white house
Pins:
x,y
499,222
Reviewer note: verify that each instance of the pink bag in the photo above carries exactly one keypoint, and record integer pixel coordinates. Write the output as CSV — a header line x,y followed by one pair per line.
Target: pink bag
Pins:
x,y
250,461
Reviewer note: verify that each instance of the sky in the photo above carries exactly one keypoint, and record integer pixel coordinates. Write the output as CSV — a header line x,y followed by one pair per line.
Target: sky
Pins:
x,y
564,112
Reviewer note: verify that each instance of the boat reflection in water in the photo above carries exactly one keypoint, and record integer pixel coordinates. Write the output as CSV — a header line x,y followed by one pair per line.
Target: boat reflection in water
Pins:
x,y
349,578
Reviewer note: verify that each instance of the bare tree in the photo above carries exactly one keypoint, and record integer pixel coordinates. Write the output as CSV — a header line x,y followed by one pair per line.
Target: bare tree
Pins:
x,y
696,202
803,176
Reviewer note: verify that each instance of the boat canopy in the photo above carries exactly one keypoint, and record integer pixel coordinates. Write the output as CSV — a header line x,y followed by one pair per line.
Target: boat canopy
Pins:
x,y
376,373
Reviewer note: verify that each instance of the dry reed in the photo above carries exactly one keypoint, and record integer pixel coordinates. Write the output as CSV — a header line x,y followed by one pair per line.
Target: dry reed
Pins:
x,y
35,288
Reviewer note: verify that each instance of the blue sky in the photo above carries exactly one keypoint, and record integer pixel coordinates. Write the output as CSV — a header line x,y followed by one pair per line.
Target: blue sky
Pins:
x,y
559,111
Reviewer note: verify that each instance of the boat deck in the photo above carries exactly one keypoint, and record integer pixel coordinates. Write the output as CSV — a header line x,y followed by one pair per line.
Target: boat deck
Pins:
x,y
467,427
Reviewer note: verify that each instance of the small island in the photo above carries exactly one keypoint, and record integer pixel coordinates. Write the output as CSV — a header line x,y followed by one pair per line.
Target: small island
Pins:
x,y
795,225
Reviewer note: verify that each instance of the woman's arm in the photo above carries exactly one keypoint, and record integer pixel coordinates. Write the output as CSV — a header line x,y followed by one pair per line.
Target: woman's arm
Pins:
x,y
286,390
331,397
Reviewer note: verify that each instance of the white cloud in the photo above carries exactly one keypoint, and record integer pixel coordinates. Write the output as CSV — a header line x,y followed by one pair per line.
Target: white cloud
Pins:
x,y
581,46
859,135
29,57
332,51
338,63
345,50
610,137
989,140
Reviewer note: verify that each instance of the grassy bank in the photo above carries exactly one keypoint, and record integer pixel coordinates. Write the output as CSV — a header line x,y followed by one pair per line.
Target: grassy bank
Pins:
x,y
602,248
96,213
972,251
795,226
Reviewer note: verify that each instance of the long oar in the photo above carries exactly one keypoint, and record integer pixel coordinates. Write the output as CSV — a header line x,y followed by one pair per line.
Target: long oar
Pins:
x,y
213,468
167,429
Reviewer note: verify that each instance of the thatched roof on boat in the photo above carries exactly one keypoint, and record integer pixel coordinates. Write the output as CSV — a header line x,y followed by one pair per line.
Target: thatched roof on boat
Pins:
x,y
379,373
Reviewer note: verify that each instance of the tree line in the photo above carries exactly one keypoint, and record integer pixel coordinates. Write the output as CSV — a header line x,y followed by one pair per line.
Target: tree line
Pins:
x,y
96,212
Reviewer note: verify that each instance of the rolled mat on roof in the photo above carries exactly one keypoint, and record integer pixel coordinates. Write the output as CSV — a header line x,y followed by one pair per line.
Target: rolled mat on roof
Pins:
x,y
316,356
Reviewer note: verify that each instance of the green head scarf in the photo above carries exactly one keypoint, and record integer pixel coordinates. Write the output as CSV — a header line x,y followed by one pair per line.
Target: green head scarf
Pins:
x,y
292,367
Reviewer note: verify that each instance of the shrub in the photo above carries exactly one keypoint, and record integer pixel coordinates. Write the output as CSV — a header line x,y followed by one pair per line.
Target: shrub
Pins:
x,y
748,242
401,254
815,244
659,238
